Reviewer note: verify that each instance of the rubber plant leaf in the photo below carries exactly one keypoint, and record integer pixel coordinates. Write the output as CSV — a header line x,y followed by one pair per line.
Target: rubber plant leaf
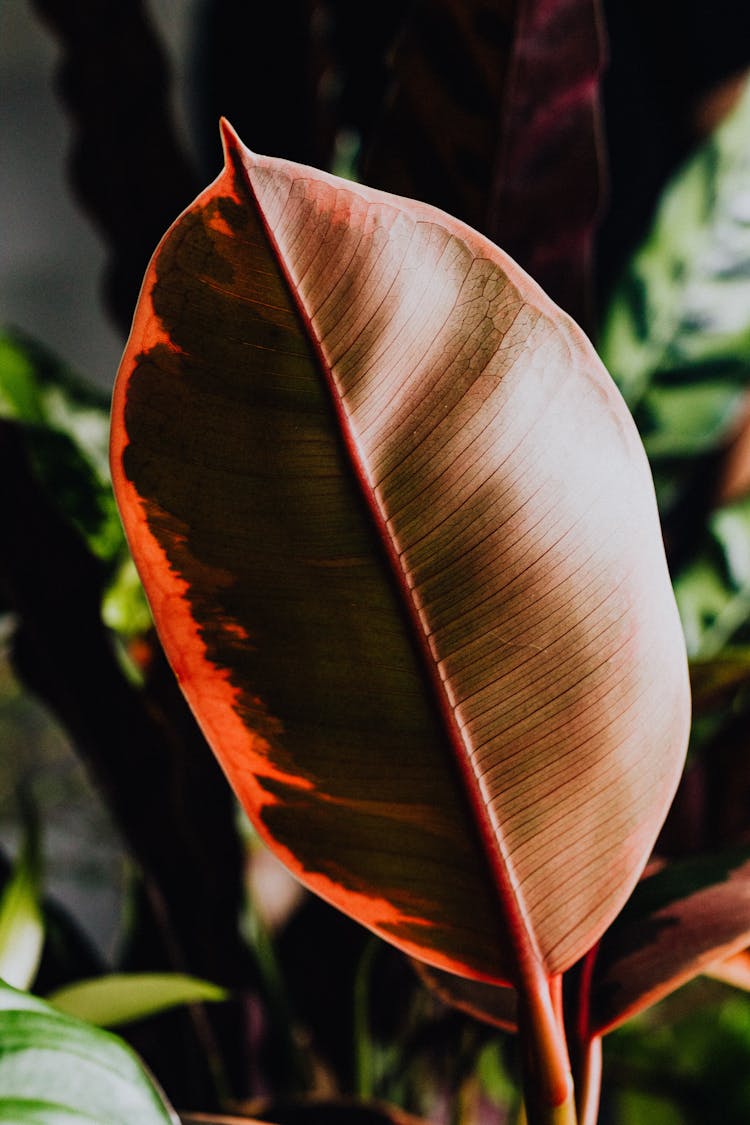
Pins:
x,y
680,922
490,1003
400,540
735,970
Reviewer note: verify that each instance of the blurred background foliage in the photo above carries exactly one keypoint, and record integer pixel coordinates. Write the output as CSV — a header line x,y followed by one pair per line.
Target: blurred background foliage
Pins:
x,y
143,863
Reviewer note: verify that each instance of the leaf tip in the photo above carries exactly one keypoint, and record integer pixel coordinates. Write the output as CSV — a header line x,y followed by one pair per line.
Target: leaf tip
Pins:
x,y
230,142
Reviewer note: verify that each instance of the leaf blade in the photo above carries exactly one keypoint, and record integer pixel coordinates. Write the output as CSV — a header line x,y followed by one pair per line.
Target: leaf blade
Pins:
x,y
49,1060
373,446
120,998
679,923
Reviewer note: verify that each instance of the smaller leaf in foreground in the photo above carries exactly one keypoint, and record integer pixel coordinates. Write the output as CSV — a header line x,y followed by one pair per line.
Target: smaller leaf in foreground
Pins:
x,y
677,924
21,922
55,1070
121,998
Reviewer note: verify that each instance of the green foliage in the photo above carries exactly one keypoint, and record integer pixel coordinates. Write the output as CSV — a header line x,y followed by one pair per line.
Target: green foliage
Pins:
x,y
55,1070
687,1065
676,335
21,922
66,425
121,998
713,589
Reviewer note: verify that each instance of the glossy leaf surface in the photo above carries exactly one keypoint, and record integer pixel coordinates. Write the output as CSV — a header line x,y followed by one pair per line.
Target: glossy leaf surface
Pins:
x,y
400,540
678,923
58,1071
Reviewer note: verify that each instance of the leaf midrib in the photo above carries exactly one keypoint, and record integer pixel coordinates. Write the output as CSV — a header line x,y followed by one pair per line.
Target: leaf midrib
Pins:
x,y
523,943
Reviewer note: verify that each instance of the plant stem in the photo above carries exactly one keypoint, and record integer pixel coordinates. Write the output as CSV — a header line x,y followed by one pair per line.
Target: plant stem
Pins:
x,y
590,1081
587,1046
548,1083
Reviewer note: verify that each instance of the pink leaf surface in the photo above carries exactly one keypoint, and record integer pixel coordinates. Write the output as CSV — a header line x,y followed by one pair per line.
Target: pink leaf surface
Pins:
x,y
400,540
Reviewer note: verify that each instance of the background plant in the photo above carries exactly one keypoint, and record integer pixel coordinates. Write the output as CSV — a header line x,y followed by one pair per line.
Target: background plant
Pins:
x,y
112,719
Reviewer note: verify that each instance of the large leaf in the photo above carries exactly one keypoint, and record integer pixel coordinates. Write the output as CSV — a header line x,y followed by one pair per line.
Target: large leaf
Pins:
x,y
494,116
680,922
400,540
55,1070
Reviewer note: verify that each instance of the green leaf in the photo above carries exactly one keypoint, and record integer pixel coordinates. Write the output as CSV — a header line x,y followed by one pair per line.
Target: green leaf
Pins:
x,y
66,424
21,921
124,607
713,590
676,335
66,427
120,998
57,1069
683,302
